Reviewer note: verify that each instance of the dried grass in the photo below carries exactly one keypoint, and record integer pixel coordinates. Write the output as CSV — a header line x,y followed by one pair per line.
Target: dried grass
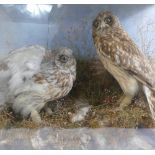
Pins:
x,y
101,91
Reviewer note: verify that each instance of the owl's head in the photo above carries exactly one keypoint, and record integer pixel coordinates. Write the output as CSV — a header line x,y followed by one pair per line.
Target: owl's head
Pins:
x,y
104,21
64,59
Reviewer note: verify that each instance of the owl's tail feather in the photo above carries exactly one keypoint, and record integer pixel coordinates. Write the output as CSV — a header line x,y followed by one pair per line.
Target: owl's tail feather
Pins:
x,y
150,95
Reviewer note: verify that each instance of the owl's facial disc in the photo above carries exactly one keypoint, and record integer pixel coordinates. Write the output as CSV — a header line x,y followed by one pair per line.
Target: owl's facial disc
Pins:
x,y
64,58
104,20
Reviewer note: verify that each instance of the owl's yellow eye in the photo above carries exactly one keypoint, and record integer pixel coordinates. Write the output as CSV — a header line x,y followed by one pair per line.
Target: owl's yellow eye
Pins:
x,y
108,20
96,23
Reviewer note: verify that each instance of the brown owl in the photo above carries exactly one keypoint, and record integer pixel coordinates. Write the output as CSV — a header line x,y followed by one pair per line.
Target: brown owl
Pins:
x,y
122,58
33,76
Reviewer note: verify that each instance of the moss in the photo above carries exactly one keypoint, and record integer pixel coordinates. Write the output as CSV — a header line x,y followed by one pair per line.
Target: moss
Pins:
x,y
101,91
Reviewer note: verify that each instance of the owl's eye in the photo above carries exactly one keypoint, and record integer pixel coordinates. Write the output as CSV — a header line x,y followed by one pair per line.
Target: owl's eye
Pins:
x,y
63,58
108,20
96,23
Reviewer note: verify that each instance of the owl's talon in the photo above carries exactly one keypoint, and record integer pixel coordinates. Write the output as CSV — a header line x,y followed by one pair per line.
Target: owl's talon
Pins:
x,y
119,109
48,111
124,102
36,117
119,102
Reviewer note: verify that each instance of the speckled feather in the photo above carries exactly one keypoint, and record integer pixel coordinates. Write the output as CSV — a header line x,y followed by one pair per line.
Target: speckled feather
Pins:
x,y
119,48
37,76
122,58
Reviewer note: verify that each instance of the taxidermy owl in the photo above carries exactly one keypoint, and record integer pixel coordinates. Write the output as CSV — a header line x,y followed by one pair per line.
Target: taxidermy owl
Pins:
x,y
32,76
123,59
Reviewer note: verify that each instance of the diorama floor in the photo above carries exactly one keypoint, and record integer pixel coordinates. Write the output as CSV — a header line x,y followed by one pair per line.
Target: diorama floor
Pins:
x,y
91,103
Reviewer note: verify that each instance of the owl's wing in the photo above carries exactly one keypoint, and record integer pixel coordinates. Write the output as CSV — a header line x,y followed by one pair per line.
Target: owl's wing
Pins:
x,y
24,63
127,55
4,77
26,58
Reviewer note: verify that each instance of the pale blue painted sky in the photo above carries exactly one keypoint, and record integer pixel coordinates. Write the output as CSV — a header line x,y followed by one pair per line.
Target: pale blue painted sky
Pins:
x,y
69,25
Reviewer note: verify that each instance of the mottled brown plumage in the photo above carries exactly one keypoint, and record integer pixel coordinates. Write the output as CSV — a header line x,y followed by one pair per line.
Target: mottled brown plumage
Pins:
x,y
36,76
123,59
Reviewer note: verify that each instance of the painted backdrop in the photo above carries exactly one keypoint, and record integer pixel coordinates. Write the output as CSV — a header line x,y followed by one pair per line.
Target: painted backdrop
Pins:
x,y
70,25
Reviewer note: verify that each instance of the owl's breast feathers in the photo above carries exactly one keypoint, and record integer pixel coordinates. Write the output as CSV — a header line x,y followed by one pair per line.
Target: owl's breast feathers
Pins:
x,y
59,82
118,48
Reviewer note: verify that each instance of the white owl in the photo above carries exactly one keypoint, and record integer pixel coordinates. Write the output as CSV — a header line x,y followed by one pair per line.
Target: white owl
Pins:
x,y
32,76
